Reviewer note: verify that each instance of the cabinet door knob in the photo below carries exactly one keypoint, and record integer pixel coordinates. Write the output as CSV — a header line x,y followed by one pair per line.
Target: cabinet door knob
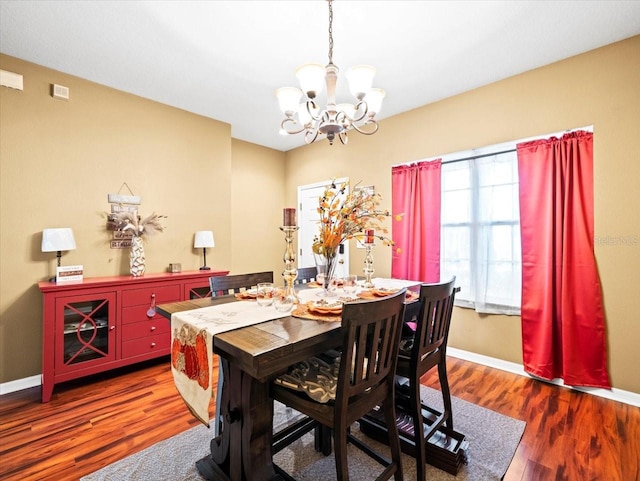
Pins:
x,y
153,328
153,344
112,328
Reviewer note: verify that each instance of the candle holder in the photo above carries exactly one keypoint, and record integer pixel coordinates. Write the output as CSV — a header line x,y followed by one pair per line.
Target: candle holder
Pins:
x,y
290,273
368,265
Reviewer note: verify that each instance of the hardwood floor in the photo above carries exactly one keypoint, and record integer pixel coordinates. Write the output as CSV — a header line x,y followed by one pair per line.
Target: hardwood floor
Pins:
x,y
90,423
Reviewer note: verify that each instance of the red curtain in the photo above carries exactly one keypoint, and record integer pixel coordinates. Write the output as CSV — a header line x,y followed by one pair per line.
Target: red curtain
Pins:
x,y
416,194
563,329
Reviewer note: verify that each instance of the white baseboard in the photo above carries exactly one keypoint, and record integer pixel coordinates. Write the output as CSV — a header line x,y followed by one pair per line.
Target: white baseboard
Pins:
x,y
20,384
614,394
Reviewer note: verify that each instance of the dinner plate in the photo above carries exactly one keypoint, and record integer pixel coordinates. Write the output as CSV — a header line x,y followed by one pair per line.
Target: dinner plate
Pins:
x,y
383,291
321,307
376,293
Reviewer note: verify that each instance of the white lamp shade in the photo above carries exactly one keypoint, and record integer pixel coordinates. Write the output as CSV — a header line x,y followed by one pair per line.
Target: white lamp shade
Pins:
x,y
311,78
374,100
204,238
360,79
288,98
58,240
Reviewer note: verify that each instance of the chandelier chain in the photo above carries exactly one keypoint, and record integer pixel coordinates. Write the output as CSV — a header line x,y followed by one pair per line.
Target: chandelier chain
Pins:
x,y
330,33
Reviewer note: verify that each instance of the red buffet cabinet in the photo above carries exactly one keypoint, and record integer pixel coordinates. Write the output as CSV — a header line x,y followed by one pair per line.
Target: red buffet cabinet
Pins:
x,y
103,323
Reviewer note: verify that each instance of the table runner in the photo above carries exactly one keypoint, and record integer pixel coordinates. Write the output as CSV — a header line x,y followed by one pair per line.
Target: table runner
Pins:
x,y
192,347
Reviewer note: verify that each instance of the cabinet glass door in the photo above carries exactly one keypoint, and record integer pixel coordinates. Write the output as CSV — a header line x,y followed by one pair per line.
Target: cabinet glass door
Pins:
x,y
87,333
197,291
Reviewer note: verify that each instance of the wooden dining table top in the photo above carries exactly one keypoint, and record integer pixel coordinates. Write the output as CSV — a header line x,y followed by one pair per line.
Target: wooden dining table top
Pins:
x,y
267,349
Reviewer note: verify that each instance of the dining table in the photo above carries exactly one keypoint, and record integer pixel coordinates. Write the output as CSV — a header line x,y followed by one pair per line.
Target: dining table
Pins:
x,y
251,358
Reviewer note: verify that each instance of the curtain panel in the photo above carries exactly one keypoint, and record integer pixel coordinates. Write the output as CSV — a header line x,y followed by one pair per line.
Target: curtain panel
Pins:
x,y
563,325
416,195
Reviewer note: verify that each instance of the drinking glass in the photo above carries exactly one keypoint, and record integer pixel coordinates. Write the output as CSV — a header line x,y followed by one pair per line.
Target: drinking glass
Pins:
x,y
349,284
283,302
265,294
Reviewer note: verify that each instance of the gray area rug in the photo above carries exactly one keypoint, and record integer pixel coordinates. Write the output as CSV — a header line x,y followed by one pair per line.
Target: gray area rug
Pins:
x,y
493,440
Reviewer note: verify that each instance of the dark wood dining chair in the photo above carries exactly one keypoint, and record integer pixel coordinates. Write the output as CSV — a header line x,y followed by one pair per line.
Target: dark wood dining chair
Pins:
x,y
222,286
427,349
306,275
362,379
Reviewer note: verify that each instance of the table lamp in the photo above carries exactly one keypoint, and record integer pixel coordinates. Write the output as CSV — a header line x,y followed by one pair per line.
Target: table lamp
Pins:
x,y
58,240
204,239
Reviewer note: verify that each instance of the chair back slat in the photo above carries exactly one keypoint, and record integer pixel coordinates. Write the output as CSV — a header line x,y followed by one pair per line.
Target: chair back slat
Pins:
x,y
223,285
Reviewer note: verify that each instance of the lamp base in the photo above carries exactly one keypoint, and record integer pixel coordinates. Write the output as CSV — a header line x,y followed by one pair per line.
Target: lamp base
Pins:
x,y
53,279
205,268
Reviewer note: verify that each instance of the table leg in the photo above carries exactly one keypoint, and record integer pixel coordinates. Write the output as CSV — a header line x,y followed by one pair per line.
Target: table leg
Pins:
x,y
322,440
242,452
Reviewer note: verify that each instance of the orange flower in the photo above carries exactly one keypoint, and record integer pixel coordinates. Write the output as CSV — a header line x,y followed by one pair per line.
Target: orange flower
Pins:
x,y
346,216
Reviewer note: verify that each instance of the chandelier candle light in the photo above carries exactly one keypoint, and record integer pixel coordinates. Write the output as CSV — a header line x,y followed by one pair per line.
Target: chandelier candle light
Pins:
x,y
335,119
290,272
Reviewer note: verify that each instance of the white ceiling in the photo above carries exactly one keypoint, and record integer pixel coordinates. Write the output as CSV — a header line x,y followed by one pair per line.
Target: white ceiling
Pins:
x,y
225,59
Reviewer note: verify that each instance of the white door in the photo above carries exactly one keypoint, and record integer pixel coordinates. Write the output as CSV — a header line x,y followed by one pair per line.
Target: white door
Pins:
x,y
308,218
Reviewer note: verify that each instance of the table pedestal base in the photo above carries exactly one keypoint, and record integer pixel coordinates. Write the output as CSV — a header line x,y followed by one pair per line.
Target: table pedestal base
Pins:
x,y
242,452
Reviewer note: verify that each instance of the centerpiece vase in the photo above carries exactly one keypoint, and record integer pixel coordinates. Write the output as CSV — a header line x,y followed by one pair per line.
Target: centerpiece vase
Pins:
x,y
326,266
136,257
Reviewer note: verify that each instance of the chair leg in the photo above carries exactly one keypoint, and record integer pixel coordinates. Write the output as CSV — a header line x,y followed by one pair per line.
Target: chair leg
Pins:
x,y
340,451
446,393
418,430
394,437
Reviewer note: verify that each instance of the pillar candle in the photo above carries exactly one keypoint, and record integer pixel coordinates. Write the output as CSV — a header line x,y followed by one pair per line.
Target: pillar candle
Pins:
x,y
369,236
289,217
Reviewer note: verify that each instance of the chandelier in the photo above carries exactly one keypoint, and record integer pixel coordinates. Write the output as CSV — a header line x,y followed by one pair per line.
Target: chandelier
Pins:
x,y
335,119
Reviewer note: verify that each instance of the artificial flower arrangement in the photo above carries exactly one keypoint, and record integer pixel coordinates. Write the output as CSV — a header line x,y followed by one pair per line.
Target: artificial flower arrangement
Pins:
x,y
348,216
139,228
132,222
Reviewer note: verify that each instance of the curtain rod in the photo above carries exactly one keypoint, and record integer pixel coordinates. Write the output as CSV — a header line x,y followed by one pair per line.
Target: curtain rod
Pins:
x,y
588,128
462,159
479,156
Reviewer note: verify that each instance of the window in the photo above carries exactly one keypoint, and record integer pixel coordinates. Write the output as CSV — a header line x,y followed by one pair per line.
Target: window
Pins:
x,y
480,229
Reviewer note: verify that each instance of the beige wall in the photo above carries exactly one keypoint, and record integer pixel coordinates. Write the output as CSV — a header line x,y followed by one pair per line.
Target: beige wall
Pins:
x,y
599,88
59,160
257,201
